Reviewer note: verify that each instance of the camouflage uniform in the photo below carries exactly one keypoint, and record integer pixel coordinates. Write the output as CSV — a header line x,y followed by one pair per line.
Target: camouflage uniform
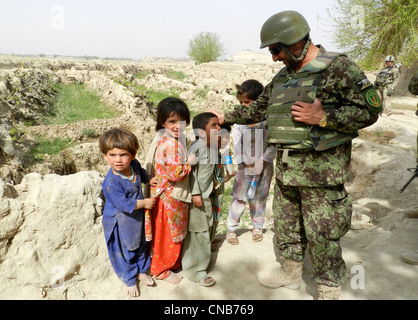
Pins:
x,y
413,88
311,206
386,81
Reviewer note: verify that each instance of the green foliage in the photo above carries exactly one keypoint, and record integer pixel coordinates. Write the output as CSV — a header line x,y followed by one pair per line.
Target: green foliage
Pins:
x,y
141,90
73,103
89,133
202,93
369,30
16,134
205,47
141,75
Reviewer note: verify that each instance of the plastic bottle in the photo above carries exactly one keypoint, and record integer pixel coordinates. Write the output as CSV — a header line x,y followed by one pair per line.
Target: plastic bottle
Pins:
x,y
229,166
252,186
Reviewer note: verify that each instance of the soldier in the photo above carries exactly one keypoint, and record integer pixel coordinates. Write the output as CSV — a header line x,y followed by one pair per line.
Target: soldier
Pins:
x,y
314,107
386,81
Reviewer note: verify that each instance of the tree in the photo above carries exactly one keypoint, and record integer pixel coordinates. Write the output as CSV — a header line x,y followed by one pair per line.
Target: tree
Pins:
x,y
205,47
369,30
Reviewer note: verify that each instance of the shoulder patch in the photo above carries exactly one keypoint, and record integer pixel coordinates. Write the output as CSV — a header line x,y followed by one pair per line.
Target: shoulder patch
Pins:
x,y
372,98
370,95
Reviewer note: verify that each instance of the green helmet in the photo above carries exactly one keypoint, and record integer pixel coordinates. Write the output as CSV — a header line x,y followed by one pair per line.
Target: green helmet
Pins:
x,y
286,27
390,58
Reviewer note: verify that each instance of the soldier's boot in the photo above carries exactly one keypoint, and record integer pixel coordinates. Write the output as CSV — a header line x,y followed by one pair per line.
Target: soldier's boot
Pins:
x,y
288,275
328,293
410,257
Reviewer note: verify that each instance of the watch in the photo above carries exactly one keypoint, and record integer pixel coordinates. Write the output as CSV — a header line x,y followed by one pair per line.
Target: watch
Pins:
x,y
323,122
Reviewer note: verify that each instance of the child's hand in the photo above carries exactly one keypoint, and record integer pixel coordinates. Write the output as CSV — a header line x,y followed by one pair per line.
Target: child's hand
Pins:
x,y
149,203
153,181
197,200
192,160
229,176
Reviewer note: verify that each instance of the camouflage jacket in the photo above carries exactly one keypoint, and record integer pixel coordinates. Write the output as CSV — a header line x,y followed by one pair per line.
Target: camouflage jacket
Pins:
x,y
340,86
388,77
413,84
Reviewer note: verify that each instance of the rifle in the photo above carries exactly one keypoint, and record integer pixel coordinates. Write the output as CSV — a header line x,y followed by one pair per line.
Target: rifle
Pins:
x,y
415,175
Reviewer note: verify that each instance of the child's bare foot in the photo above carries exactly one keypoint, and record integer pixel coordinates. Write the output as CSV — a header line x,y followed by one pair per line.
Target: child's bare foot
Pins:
x,y
146,278
133,291
173,278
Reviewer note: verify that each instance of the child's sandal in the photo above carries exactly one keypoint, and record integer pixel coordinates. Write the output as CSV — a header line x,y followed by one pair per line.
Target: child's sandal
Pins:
x,y
231,237
206,281
257,235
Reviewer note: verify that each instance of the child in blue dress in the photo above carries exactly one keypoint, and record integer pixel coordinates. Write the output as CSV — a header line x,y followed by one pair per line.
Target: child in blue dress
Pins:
x,y
123,215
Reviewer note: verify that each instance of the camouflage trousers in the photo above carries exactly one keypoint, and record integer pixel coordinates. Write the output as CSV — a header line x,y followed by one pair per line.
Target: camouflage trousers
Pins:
x,y
314,218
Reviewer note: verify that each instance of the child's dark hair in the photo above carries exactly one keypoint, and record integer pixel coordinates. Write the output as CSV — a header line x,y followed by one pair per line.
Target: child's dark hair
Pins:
x,y
201,120
169,106
118,138
252,88
227,127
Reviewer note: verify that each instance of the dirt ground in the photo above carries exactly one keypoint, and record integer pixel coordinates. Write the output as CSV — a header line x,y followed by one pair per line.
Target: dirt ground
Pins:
x,y
372,248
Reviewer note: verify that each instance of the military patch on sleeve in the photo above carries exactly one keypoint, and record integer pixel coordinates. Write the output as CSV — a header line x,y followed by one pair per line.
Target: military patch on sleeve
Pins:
x,y
370,96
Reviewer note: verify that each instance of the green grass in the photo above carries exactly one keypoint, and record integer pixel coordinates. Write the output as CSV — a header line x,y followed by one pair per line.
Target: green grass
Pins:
x,y
156,96
201,93
51,147
73,103
176,75
141,75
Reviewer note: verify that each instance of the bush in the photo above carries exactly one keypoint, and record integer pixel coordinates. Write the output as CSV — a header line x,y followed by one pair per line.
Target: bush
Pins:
x,y
205,47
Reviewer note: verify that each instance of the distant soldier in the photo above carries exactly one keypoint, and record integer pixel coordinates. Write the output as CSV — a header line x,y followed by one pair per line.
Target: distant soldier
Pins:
x,y
386,81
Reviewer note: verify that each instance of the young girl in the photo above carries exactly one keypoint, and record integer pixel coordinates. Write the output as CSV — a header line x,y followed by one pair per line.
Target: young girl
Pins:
x,y
166,161
249,91
123,215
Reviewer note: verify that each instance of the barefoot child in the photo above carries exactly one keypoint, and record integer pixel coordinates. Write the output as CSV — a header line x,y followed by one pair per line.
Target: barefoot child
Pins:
x,y
249,91
203,155
166,161
123,215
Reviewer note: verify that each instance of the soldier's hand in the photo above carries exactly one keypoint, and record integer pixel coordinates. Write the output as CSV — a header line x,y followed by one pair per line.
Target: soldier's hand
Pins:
x,y
309,113
220,116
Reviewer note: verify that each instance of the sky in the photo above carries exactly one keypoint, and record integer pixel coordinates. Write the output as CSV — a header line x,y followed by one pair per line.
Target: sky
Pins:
x,y
151,28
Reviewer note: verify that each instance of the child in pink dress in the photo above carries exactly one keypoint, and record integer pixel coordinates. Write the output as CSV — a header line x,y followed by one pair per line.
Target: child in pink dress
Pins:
x,y
169,216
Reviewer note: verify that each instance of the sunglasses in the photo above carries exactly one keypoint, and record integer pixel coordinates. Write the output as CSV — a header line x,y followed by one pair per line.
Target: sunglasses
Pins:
x,y
275,50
